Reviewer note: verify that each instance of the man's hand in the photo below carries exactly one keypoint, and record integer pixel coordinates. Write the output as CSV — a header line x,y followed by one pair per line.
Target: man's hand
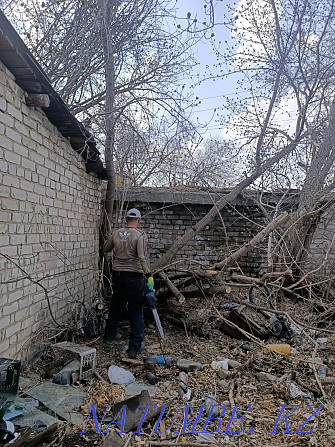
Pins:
x,y
150,283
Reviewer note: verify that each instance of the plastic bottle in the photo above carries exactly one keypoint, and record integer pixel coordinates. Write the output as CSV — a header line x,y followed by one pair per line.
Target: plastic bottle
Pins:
x,y
296,392
266,377
233,363
183,390
221,364
223,374
159,359
280,347
322,370
188,365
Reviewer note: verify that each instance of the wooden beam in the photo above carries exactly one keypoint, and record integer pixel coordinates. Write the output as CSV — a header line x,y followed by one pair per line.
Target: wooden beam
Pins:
x,y
38,100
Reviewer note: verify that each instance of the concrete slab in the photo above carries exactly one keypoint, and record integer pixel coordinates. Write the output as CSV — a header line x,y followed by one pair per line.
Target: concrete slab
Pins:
x,y
60,399
135,388
35,414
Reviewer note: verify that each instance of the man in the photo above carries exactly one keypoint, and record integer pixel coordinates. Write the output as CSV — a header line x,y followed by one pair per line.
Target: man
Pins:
x,y
131,266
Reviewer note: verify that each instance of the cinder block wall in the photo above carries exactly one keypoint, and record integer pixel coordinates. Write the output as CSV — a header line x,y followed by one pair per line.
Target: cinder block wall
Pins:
x,y
49,221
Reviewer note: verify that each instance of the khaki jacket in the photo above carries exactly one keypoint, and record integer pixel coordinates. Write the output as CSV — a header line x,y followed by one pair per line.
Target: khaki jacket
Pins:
x,y
129,246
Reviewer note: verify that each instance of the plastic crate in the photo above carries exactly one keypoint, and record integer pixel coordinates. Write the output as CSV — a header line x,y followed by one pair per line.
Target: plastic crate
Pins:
x,y
9,380
9,376
87,358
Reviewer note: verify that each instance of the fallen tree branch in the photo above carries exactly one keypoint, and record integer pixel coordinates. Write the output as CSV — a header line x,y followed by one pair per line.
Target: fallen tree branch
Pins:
x,y
173,289
219,205
255,241
281,312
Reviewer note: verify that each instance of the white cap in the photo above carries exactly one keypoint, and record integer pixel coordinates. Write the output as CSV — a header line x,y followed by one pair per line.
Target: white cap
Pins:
x,y
133,213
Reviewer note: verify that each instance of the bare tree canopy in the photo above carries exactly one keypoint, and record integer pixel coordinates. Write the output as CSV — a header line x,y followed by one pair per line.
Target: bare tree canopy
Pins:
x,y
120,65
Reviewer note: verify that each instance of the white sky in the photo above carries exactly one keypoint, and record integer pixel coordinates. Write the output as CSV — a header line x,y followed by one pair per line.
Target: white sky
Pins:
x,y
209,92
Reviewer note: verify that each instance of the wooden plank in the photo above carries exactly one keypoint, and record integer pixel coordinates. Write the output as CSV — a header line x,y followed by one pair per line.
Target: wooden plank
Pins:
x,y
247,322
6,44
12,59
30,86
31,439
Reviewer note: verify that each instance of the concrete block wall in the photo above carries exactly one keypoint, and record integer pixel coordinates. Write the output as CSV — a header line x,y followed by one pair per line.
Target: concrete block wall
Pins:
x,y
49,223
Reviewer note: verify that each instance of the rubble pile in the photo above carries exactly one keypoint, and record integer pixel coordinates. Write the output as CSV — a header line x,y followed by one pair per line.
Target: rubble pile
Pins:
x,y
268,380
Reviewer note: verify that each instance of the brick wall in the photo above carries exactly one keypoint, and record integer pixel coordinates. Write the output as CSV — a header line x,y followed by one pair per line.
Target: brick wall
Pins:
x,y
167,221
49,220
322,250
168,214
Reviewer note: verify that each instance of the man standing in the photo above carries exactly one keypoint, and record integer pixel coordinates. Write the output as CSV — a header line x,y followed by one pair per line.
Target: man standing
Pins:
x,y
131,272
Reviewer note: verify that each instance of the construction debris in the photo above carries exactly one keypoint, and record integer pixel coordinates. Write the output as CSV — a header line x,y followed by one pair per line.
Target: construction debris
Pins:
x,y
205,375
61,400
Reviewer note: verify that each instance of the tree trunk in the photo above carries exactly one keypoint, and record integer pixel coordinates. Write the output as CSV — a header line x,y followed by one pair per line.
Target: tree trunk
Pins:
x,y
312,195
255,241
109,105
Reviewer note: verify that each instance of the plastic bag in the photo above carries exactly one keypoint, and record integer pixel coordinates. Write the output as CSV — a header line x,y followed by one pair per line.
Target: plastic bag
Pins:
x,y
12,410
119,375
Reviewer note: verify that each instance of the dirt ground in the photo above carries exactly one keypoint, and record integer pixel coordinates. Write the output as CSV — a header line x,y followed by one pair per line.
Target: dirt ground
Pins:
x,y
263,405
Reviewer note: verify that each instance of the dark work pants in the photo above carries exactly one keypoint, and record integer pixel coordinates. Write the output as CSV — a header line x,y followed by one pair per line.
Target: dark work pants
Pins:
x,y
127,290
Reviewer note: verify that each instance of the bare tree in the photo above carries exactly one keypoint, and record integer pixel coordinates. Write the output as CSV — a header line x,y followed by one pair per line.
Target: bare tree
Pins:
x,y
285,60
283,126
113,62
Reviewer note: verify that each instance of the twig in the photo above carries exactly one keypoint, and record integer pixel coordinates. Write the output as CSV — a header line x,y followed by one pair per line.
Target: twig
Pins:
x,y
98,376
231,394
128,440
34,282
